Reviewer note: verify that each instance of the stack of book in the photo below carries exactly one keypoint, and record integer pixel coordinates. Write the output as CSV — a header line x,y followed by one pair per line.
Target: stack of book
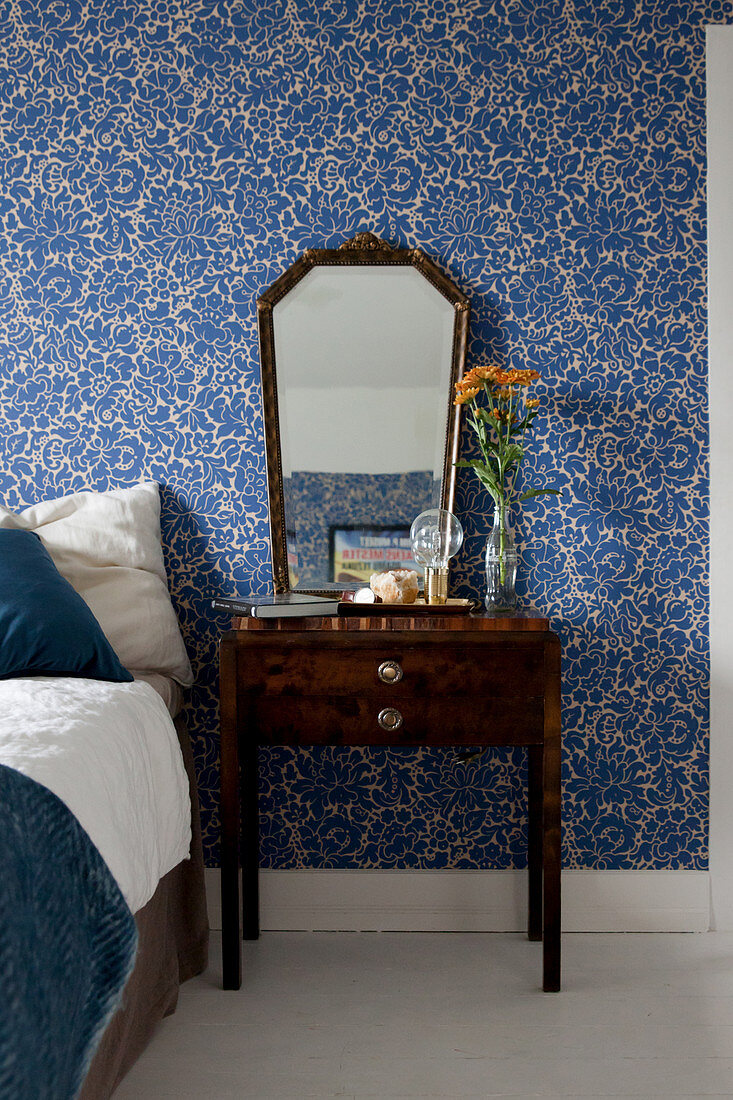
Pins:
x,y
288,605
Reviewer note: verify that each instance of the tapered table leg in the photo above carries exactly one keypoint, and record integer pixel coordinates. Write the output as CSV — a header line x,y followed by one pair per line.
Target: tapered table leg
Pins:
x,y
229,813
551,833
534,841
250,844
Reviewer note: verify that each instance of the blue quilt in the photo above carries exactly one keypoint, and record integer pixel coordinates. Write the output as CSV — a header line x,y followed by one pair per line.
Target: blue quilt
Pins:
x,y
67,944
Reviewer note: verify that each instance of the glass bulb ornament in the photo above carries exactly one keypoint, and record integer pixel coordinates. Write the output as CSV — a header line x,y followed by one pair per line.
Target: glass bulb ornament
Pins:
x,y
435,536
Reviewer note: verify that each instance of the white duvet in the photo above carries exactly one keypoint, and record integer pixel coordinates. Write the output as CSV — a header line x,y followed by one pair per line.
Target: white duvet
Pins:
x,y
111,753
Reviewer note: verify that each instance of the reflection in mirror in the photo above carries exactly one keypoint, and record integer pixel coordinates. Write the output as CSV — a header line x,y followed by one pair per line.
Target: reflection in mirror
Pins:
x,y
364,355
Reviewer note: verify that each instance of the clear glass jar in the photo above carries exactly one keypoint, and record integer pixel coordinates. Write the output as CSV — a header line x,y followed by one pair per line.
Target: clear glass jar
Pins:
x,y
501,565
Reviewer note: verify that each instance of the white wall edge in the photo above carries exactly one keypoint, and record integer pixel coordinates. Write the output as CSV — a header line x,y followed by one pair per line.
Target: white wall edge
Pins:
x,y
720,325
472,901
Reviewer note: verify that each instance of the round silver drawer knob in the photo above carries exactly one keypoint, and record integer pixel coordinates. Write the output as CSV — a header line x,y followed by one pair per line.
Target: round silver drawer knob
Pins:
x,y
389,719
389,672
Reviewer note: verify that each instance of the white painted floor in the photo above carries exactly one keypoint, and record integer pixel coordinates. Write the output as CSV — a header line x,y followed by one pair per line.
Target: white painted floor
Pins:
x,y
392,1015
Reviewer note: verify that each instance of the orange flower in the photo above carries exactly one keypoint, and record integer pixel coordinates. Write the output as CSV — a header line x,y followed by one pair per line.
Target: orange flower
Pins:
x,y
466,395
476,376
533,403
516,377
486,373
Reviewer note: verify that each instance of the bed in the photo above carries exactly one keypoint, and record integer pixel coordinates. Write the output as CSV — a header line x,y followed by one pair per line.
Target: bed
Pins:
x,y
173,938
106,748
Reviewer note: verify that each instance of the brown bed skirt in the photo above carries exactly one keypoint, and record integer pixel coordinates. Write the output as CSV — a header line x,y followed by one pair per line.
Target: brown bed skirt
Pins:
x,y
173,943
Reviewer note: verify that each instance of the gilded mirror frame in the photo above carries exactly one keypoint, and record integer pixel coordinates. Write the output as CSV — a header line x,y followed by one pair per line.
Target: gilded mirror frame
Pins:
x,y
363,249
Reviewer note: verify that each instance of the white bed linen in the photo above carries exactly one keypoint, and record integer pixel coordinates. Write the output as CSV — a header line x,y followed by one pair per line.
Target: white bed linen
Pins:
x,y
170,692
111,753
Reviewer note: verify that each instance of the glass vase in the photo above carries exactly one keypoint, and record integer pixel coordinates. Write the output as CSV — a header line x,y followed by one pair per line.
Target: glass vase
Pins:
x,y
501,565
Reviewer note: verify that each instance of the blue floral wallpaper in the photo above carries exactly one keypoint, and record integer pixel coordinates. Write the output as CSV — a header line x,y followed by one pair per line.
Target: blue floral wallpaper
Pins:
x,y
163,162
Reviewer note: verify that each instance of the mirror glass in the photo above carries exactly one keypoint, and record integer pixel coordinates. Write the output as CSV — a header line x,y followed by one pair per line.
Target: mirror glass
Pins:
x,y
363,355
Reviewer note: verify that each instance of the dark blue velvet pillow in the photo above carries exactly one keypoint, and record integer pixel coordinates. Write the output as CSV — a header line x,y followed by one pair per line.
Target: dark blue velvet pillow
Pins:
x,y
45,626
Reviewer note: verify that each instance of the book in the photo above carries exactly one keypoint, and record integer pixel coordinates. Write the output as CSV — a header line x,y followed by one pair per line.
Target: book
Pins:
x,y
286,605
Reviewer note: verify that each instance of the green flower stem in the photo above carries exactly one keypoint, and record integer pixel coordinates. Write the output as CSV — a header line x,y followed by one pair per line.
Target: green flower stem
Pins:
x,y
527,422
502,561
502,506
480,430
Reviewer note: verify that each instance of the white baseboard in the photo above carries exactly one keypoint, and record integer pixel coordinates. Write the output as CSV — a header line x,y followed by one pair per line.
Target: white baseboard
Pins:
x,y
473,901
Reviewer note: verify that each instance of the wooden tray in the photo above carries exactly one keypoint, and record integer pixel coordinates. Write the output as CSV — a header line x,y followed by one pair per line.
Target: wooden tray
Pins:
x,y
419,607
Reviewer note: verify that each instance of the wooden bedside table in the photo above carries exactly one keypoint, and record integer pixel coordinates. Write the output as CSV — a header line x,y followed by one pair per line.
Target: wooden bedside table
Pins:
x,y
477,679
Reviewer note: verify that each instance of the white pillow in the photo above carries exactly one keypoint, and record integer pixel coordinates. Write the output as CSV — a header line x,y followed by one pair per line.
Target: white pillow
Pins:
x,y
107,545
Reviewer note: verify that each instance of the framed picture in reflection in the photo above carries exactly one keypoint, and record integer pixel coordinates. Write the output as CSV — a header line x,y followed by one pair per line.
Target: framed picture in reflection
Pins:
x,y
358,550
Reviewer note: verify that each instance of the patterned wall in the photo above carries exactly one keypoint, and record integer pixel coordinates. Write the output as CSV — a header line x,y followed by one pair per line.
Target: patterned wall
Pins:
x,y
162,162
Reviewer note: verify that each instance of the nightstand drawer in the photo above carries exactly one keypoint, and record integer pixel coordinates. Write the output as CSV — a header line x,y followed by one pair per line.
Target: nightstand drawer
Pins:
x,y
396,670
380,719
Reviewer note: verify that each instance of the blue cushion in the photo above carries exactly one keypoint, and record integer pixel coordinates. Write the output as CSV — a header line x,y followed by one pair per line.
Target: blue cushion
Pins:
x,y
45,626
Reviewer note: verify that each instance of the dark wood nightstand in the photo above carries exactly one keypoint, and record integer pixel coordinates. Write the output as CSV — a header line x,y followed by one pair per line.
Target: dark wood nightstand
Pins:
x,y
476,679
